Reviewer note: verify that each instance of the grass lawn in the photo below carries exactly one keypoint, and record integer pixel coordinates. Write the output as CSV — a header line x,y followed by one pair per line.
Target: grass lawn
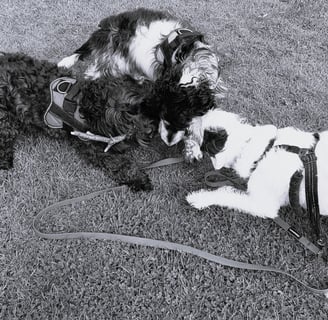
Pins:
x,y
274,61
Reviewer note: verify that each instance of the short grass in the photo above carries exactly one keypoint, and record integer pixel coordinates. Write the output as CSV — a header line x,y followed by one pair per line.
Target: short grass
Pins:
x,y
274,62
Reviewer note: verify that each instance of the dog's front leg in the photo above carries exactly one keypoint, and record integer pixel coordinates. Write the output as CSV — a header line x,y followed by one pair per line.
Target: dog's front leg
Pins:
x,y
218,161
192,150
193,141
234,199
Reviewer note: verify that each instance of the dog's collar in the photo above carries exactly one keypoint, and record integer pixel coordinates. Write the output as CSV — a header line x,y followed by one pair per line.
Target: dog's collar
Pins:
x,y
64,106
173,48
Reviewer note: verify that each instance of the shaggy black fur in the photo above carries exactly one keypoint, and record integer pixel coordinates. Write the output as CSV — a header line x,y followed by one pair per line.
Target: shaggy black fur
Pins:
x,y
214,142
176,104
25,95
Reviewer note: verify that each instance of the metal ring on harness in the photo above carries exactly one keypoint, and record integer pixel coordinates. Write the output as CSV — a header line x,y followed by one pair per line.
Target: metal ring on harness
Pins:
x,y
69,85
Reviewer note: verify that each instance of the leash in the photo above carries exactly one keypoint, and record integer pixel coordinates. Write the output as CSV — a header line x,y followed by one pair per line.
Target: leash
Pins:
x,y
152,243
164,162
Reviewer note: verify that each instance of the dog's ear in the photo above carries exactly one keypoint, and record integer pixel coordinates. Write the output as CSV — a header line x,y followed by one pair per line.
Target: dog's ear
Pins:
x,y
214,141
204,98
197,101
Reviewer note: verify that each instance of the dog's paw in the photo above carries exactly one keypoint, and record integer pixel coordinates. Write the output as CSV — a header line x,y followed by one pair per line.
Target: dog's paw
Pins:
x,y
68,62
192,151
196,200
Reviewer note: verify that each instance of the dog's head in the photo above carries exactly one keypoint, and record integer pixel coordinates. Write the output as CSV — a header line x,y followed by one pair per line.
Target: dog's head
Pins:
x,y
178,108
111,107
201,64
176,105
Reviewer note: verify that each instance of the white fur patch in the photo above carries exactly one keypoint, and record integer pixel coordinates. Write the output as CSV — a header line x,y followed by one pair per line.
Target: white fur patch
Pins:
x,y
142,47
178,136
69,61
92,73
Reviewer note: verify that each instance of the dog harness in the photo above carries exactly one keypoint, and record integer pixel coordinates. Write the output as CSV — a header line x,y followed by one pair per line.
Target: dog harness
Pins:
x,y
215,178
64,108
173,48
309,161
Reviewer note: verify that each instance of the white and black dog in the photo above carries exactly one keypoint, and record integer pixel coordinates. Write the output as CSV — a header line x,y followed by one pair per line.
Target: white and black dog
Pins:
x,y
263,155
154,45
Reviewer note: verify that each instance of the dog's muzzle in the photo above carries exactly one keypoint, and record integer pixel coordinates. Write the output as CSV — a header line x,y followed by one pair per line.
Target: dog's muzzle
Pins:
x,y
170,137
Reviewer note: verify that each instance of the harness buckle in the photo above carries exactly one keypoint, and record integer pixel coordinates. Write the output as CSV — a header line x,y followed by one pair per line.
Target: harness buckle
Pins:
x,y
307,155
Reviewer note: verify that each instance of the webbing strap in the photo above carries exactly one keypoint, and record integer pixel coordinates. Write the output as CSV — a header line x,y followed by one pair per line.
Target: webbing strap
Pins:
x,y
305,241
311,190
309,161
159,244
164,162
216,179
63,106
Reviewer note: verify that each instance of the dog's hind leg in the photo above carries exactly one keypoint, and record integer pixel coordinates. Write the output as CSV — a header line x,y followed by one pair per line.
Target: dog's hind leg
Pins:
x,y
234,199
8,134
120,167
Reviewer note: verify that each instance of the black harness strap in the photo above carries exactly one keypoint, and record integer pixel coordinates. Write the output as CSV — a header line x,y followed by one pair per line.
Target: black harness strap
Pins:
x,y
309,161
68,117
178,41
70,101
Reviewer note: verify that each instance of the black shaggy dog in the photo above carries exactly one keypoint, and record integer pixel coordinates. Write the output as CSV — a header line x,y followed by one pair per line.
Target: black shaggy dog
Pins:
x,y
157,46
109,107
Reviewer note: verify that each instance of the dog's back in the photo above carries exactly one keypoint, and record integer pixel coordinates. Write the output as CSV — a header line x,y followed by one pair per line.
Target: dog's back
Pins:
x,y
24,83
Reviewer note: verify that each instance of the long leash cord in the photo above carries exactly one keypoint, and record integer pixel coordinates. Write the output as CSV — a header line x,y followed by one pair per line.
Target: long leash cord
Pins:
x,y
159,244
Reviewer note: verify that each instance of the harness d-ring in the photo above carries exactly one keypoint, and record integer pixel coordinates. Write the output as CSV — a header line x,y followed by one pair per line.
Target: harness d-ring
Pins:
x,y
69,85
